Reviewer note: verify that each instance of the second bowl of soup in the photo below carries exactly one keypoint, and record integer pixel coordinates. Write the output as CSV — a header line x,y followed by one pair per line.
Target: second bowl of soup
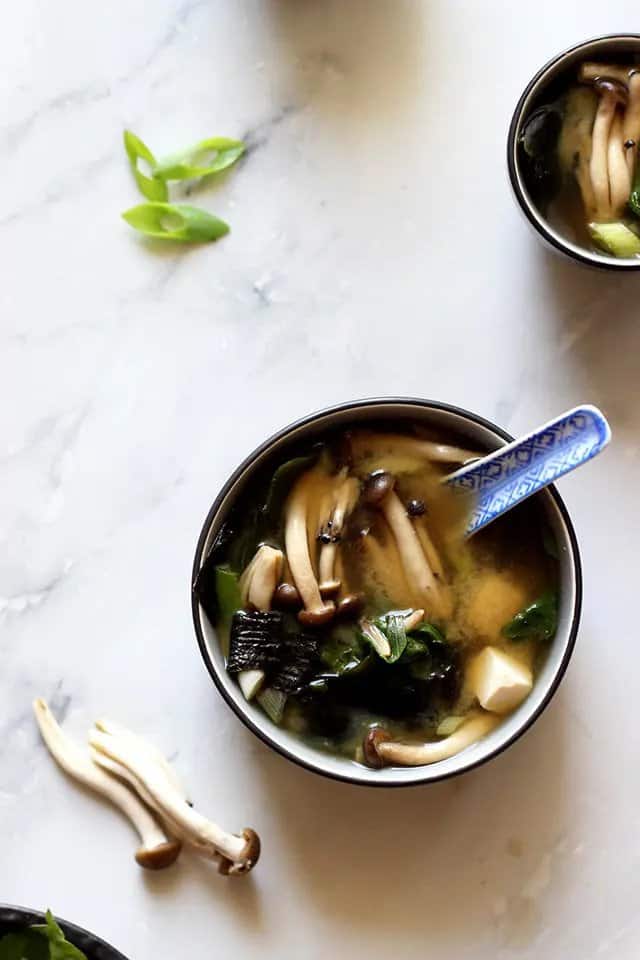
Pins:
x,y
350,622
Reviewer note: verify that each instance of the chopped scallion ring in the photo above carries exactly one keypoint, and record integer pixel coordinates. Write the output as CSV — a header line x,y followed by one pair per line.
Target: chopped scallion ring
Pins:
x,y
176,221
150,187
201,160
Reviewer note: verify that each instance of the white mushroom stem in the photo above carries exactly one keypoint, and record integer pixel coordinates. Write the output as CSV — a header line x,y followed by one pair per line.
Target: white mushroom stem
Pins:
x,y
117,730
379,444
346,498
619,176
431,553
603,177
298,556
157,849
417,755
258,584
259,581
599,166
416,567
238,853
632,123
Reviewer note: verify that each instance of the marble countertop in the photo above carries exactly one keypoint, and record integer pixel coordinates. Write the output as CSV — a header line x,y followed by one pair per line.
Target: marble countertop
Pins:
x,y
375,250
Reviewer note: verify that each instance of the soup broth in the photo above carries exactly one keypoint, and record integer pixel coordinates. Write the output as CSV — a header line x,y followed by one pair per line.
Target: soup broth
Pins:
x,y
353,609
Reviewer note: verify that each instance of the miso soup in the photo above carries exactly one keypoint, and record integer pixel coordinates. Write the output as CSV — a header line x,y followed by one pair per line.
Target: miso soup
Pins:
x,y
353,609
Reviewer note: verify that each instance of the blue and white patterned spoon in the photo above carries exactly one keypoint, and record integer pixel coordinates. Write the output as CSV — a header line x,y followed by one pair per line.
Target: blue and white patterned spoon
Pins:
x,y
518,470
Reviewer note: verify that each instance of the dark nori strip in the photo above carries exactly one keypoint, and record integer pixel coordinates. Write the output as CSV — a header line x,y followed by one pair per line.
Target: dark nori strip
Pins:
x,y
256,641
299,664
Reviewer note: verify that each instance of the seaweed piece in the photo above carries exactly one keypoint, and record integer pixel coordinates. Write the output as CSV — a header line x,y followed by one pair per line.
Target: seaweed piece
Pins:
x,y
299,662
537,143
256,641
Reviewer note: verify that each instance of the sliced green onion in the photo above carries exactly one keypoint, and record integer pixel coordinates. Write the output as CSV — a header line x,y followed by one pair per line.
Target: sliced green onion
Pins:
x,y
176,221
201,160
150,187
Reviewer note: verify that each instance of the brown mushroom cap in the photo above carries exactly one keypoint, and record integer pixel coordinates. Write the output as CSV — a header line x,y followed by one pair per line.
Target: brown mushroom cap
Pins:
x,y
330,588
316,618
612,88
376,487
247,859
157,858
370,743
350,606
287,596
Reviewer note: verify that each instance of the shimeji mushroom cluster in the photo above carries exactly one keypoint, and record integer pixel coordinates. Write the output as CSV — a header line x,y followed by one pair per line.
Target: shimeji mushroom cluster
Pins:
x,y
606,181
309,577
135,777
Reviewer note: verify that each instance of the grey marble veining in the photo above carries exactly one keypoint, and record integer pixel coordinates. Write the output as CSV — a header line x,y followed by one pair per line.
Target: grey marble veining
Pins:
x,y
375,249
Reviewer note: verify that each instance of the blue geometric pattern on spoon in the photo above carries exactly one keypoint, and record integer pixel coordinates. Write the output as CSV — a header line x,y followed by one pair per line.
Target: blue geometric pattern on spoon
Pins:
x,y
516,471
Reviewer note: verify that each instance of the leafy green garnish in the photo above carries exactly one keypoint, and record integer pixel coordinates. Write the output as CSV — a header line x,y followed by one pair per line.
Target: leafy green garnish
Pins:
x,y
25,945
538,621
176,221
43,941
429,655
150,187
282,482
422,639
393,627
227,594
344,652
390,627
201,160
59,946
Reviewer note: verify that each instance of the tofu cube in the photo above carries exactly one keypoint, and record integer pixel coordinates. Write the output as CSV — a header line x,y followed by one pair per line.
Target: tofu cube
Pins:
x,y
499,681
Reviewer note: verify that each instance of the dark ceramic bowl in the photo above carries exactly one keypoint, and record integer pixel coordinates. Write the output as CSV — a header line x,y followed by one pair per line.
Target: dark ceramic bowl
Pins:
x,y
481,435
543,88
14,919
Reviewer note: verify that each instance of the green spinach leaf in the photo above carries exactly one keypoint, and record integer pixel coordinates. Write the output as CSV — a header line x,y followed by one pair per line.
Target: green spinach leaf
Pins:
x,y
345,652
227,594
281,484
538,621
26,945
59,946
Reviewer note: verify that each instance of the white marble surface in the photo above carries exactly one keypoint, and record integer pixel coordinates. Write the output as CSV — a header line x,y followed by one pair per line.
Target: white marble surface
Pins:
x,y
375,250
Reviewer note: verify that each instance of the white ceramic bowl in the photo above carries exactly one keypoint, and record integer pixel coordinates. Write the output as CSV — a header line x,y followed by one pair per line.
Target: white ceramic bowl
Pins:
x,y
481,435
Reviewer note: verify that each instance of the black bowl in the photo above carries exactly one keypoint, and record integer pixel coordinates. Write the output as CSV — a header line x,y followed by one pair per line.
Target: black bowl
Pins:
x,y
15,919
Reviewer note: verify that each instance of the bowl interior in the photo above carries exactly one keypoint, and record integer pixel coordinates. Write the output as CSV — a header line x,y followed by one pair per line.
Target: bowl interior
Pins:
x,y
551,80
480,435
15,919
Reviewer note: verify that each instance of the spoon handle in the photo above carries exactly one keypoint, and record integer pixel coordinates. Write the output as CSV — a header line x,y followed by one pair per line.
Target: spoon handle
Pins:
x,y
516,471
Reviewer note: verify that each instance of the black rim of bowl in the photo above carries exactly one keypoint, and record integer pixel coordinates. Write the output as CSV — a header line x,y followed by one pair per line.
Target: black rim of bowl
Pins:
x,y
199,557
540,225
14,919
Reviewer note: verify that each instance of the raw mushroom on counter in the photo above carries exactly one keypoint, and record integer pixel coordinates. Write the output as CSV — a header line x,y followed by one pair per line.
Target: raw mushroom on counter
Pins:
x,y
141,782
158,848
